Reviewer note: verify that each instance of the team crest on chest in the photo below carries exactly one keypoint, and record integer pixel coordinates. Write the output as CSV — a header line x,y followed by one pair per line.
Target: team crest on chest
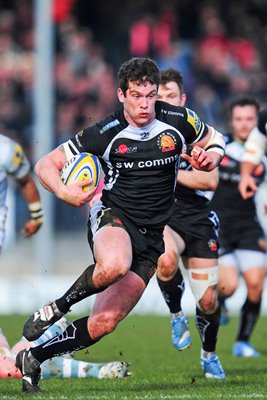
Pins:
x,y
167,141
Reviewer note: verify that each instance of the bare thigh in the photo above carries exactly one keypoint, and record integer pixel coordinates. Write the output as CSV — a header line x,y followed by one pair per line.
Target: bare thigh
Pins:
x,y
114,304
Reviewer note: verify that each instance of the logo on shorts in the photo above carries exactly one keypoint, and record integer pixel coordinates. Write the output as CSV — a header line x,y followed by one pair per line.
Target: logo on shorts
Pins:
x,y
213,246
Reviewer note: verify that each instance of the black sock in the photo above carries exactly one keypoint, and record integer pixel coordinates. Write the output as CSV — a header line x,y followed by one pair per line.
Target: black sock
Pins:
x,y
208,326
81,289
172,291
75,337
249,316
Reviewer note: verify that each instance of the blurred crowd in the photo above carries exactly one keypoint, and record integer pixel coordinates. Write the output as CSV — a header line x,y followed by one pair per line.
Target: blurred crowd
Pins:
x,y
220,48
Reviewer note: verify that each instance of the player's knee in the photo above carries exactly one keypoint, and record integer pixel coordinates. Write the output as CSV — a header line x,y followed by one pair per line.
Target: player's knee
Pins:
x,y
203,283
255,290
102,324
167,265
227,289
112,271
208,303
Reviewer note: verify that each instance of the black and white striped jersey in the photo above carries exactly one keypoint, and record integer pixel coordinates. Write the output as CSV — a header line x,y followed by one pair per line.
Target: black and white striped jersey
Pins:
x,y
141,164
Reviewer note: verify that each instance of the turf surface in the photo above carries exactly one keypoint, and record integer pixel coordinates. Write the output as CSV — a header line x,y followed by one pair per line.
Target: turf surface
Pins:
x,y
159,371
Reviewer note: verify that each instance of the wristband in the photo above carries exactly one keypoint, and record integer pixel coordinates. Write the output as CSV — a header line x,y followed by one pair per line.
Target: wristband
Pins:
x,y
36,212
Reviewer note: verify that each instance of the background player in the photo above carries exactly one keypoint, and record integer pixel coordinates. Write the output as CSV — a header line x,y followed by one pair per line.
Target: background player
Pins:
x,y
255,146
242,245
15,165
191,234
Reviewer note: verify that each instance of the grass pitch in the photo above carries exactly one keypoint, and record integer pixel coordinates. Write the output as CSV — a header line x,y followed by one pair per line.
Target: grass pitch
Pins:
x,y
159,371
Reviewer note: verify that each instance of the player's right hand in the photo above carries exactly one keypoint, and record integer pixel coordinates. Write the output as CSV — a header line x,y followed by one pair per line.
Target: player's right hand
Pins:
x,y
74,195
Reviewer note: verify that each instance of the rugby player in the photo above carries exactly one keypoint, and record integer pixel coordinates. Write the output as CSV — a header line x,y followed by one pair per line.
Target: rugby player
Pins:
x,y
191,234
242,245
139,147
15,165
255,147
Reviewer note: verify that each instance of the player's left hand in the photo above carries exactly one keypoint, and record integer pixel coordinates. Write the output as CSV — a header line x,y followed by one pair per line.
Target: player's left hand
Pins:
x,y
31,227
201,159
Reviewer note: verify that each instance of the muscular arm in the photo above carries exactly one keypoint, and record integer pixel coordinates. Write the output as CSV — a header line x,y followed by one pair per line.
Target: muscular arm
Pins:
x,y
48,170
199,180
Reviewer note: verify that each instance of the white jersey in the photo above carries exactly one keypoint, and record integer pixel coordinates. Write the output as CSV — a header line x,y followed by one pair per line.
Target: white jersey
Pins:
x,y
14,164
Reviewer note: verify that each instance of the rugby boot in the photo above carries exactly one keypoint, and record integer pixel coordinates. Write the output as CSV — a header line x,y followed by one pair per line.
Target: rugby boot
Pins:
x,y
41,320
31,371
181,338
212,367
244,349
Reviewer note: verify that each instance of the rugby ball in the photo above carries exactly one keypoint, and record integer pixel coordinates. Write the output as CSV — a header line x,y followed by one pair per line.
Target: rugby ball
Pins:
x,y
81,167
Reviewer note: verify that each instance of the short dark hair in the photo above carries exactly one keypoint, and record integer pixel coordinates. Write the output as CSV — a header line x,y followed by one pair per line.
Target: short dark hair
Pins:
x,y
242,101
138,70
172,75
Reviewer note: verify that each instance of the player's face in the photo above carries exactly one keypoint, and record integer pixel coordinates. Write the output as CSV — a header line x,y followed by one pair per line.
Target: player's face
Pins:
x,y
243,120
139,103
170,93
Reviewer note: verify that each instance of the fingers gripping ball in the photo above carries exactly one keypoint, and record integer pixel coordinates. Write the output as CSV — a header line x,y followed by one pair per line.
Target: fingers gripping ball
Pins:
x,y
81,167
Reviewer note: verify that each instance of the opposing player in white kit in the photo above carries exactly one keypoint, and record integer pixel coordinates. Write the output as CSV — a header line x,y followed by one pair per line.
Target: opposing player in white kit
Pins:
x,y
15,165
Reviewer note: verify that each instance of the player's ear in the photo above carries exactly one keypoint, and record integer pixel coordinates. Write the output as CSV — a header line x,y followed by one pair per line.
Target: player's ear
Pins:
x,y
120,95
183,99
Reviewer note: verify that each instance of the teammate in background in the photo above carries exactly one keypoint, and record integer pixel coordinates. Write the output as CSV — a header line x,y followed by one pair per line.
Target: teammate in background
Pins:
x,y
242,245
191,235
58,367
139,147
255,147
15,165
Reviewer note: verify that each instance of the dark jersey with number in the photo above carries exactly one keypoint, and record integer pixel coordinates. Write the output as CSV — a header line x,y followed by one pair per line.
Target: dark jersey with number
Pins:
x,y
227,200
140,164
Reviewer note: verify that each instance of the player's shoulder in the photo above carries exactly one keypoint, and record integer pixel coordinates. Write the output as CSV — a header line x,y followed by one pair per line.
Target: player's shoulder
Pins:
x,y
168,111
113,122
12,155
8,149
